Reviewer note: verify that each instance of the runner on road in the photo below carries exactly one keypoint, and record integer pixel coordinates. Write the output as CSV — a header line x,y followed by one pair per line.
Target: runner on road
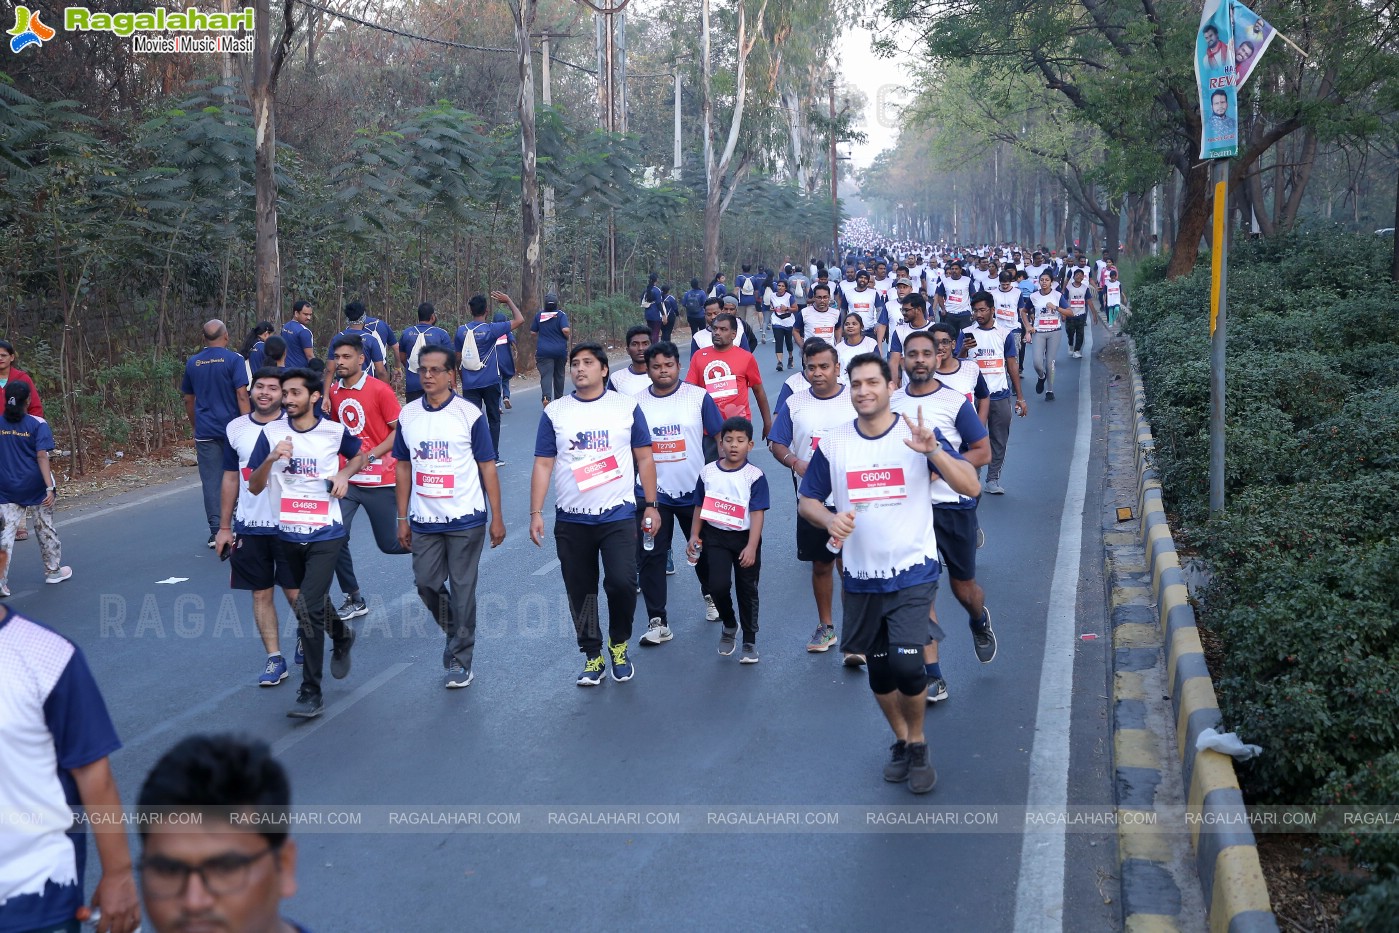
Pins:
x,y
633,378
992,348
444,476
593,444
728,373
878,469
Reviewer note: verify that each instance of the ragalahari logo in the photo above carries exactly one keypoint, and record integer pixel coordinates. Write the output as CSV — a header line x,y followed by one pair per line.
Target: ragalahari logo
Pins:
x,y
29,30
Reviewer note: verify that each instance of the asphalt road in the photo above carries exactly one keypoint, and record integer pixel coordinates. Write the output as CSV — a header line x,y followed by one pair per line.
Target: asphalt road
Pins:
x,y
694,734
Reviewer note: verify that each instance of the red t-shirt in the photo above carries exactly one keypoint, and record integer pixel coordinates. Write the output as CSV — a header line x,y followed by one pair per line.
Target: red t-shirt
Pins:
x,y
368,411
726,376
36,407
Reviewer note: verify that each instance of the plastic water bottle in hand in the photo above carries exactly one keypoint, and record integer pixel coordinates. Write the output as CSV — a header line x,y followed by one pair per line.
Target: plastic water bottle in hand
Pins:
x,y
648,538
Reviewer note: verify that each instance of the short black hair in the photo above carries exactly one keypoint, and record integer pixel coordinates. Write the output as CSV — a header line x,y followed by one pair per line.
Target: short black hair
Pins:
x,y
942,327
815,346
736,423
821,287
663,348
594,349
923,334
447,353
713,300
220,775
982,296
309,377
636,330
267,372
425,312
353,341
274,347
865,359
477,304
354,311
298,304
1219,93
726,316
914,300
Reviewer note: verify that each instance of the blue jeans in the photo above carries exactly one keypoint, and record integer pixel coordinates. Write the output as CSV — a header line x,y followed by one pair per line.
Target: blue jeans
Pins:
x,y
210,458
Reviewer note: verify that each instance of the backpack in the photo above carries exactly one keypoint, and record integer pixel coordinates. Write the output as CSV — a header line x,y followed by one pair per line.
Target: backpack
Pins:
x,y
470,353
798,289
747,286
419,342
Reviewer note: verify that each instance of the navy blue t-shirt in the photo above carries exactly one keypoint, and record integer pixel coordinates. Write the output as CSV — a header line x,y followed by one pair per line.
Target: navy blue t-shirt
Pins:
x,y
21,482
433,336
213,376
300,344
485,334
549,325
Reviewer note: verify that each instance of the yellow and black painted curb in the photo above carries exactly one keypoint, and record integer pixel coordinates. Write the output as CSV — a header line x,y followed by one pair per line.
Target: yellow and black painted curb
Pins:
x,y
1150,615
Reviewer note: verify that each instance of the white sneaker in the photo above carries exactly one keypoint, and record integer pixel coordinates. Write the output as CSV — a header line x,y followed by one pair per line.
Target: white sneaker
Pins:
x,y
657,632
993,488
1077,355
711,611
59,575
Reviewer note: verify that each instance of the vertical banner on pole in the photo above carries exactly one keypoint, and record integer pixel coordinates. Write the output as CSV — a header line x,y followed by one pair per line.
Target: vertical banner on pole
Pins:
x,y
1214,75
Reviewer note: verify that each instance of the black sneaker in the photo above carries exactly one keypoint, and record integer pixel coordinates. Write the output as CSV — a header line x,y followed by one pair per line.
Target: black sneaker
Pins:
x,y
728,641
340,656
922,777
1049,396
896,771
308,705
983,639
1039,386
779,366
211,540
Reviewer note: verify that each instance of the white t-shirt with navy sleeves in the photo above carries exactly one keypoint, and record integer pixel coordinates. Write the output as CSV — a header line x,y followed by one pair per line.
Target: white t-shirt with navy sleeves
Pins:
x,y
889,488
678,423
728,498
444,447
255,515
950,412
306,511
591,443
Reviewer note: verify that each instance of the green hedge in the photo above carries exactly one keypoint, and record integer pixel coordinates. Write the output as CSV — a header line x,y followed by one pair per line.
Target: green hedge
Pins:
x,y
1306,554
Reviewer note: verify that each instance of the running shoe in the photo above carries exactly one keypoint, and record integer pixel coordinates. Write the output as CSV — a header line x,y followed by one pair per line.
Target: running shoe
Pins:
x,y
822,638
993,487
657,632
210,542
457,676
4,590
300,656
622,668
980,538
728,641
669,564
340,655
506,404
711,611
1039,386
749,655
59,575
779,366
854,660
983,638
1077,355
594,672
937,690
308,705
499,463
896,771
1049,396
352,608
921,775
275,672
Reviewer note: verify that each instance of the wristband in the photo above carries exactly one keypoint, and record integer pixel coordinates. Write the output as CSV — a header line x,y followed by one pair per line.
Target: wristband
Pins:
x,y
403,518
537,512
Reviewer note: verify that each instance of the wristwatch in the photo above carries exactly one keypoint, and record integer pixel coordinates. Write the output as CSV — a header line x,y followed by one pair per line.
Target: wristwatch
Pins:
x,y
653,505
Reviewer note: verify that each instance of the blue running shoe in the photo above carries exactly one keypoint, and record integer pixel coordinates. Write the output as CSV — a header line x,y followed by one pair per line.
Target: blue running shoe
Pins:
x,y
275,672
594,672
622,669
298,658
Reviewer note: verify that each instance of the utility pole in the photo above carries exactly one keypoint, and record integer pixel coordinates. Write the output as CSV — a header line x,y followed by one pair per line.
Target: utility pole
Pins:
x,y
835,191
607,109
548,97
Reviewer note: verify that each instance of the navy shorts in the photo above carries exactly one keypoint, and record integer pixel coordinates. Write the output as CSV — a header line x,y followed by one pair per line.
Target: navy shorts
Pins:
x,y
956,533
878,620
811,543
258,564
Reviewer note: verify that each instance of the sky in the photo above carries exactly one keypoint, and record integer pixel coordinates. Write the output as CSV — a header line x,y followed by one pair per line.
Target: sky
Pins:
x,y
881,80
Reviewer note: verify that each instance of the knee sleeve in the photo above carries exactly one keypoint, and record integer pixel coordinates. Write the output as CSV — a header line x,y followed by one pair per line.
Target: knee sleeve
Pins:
x,y
906,664
881,673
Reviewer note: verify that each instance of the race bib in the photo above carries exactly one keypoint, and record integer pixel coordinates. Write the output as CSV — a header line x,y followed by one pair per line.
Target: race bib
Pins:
x,y
590,474
827,334
667,449
305,510
381,473
955,300
721,385
1047,323
723,512
548,316
876,484
434,485
1076,306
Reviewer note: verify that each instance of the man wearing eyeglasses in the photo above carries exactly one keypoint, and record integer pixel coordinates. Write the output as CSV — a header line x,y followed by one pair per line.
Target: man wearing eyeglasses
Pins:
x,y
215,849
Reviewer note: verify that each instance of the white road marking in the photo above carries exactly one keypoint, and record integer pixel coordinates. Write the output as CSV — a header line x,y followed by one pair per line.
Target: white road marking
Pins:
x,y
548,568
65,521
1039,895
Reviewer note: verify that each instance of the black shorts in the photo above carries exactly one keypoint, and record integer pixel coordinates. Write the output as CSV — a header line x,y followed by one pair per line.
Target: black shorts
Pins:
x,y
811,543
257,564
878,620
956,531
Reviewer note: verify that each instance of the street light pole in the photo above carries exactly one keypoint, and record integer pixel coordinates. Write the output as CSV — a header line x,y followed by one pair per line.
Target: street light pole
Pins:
x,y
835,194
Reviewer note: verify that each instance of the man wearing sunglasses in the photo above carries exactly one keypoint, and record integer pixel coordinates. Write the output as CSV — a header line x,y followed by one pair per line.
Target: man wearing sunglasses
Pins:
x,y
215,852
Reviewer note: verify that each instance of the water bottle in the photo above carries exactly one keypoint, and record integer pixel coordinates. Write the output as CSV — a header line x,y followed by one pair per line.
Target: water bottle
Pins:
x,y
88,918
834,544
692,556
648,540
